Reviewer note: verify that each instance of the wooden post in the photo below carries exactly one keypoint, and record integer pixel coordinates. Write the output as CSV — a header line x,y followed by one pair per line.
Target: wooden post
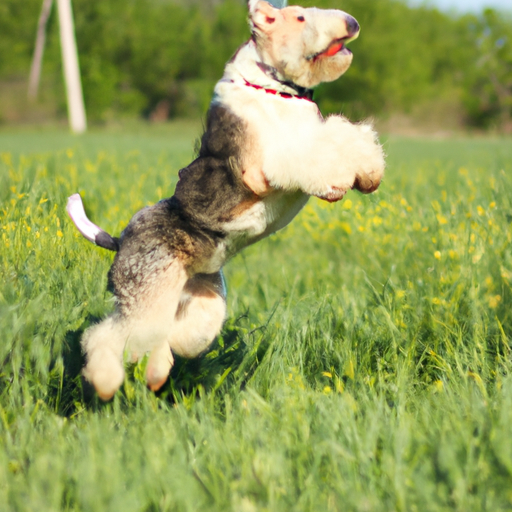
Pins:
x,y
37,60
75,99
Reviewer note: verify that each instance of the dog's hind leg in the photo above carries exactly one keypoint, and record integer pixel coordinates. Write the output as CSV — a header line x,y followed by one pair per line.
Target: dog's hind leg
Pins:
x,y
103,345
141,324
159,366
200,315
199,318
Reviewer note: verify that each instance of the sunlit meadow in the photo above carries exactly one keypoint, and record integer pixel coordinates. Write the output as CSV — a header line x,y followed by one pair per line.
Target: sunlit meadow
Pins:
x,y
365,363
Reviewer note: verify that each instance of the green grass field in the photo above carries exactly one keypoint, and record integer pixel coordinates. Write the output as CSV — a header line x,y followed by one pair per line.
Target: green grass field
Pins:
x,y
365,364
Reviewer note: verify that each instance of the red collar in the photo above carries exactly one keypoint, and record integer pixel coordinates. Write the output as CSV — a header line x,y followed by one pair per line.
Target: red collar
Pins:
x,y
278,93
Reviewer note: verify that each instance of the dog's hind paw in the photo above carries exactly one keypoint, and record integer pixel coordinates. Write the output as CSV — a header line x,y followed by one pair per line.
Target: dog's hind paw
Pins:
x,y
105,372
159,366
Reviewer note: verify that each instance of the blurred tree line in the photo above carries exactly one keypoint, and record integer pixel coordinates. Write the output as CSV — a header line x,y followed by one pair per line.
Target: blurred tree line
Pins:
x,y
161,58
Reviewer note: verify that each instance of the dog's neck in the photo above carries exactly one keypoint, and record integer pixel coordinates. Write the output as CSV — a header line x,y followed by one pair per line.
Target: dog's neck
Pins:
x,y
247,68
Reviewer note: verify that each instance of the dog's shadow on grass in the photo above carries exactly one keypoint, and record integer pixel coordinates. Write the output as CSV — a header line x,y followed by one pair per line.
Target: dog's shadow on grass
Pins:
x,y
234,356
68,393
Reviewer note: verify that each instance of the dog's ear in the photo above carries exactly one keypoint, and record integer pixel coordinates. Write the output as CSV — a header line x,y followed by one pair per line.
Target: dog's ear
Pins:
x,y
262,15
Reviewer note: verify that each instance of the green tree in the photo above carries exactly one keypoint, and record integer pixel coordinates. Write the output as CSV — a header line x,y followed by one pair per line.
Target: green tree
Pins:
x,y
488,82
139,55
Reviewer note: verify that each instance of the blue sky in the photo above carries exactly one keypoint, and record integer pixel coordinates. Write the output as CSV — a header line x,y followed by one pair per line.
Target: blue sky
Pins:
x,y
466,5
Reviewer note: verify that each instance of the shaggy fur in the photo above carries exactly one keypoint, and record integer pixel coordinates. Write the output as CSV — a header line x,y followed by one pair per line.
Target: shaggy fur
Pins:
x,y
265,151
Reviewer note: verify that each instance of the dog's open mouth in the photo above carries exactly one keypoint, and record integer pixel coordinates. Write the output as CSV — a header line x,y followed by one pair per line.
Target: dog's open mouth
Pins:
x,y
336,46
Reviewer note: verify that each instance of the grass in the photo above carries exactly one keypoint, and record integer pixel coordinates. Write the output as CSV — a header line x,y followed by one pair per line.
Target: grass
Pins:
x,y
365,364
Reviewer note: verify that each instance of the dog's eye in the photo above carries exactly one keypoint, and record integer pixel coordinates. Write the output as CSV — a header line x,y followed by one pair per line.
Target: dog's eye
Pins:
x,y
270,20
300,18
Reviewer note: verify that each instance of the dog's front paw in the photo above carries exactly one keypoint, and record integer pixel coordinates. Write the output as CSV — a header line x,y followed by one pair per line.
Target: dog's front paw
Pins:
x,y
368,182
372,161
333,194
359,156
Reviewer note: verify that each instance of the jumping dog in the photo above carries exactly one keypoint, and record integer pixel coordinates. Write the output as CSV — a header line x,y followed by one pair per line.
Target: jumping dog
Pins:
x,y
266,149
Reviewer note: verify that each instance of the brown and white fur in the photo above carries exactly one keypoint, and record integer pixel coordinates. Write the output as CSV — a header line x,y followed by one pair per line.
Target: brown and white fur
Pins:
x,y
266,149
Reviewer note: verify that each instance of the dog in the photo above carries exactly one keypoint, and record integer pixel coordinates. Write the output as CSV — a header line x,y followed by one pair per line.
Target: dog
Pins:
x,y
265,151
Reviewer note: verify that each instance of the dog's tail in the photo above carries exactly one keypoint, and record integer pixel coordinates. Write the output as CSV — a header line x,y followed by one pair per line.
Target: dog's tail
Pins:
x,y
88,229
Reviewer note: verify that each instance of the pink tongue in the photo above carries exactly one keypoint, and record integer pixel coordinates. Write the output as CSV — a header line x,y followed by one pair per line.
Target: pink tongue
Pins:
x,y
333,49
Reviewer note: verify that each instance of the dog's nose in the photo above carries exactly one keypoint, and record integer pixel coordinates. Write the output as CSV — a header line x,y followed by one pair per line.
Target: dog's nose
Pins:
x,y
352,26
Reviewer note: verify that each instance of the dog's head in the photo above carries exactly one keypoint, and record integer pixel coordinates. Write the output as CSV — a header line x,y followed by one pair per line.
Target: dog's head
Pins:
x,y
306,46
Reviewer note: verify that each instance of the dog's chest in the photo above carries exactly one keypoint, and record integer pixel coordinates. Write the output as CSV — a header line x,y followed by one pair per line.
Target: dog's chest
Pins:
x,y
262,219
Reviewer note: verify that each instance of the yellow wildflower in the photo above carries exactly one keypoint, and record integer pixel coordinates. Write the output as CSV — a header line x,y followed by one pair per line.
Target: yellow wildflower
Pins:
x,y
494,301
